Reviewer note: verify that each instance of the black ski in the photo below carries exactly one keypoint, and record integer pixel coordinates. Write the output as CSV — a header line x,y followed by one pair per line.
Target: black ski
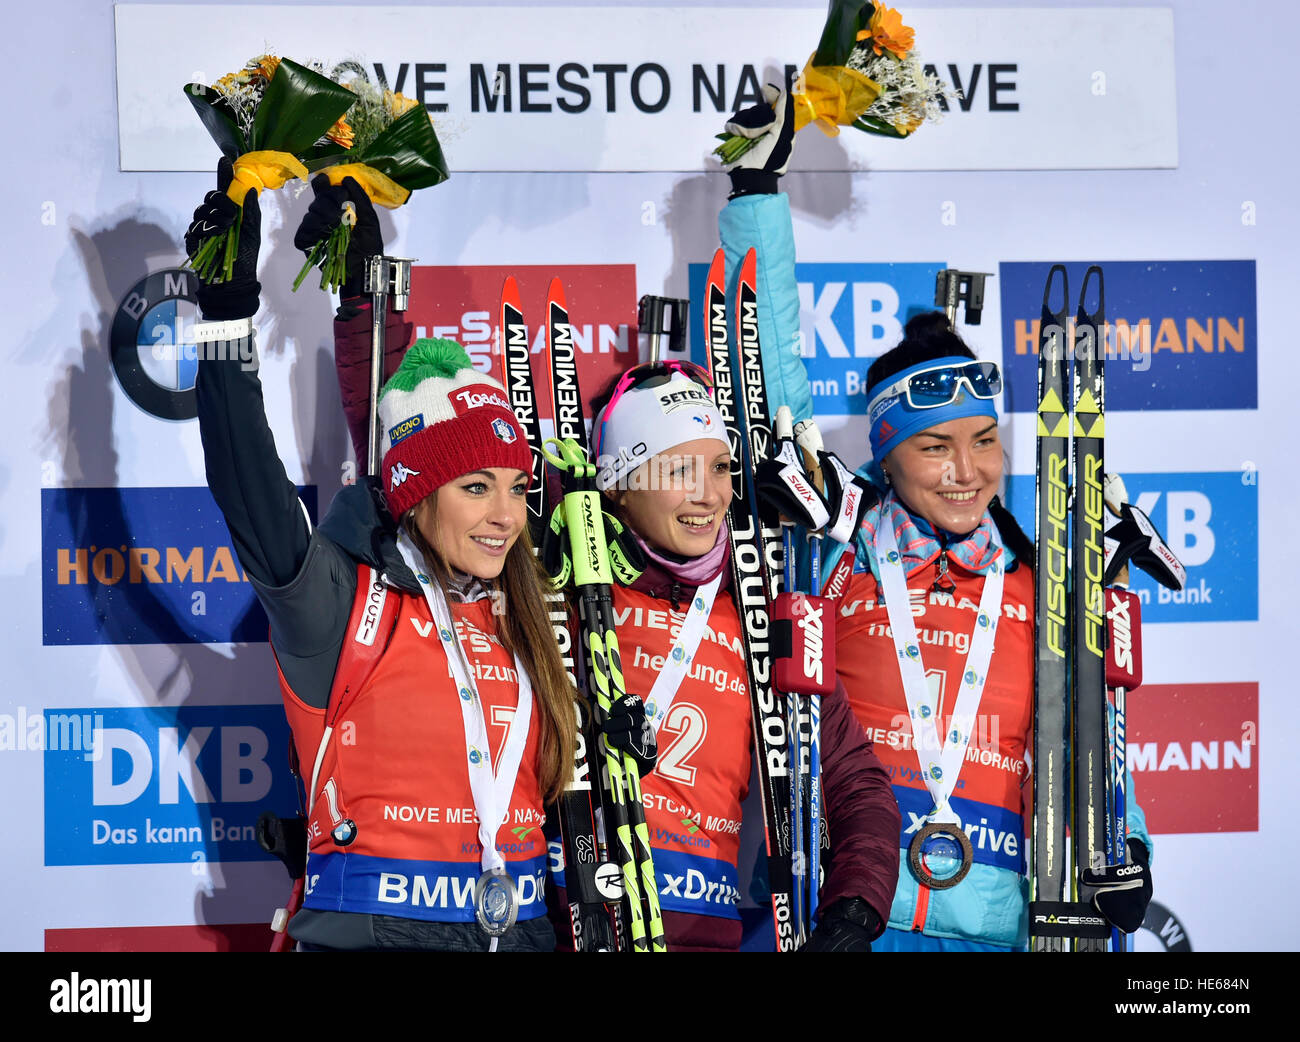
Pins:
x,y
585,874
1049,873
755,569
1091,821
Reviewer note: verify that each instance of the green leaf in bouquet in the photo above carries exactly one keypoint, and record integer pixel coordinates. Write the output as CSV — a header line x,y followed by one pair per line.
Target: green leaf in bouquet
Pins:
x,y
327,153
844,20
408,151
298,107
216,117
873,125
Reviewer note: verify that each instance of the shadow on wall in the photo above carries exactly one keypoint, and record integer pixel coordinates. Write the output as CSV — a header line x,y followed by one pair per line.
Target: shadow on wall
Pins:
x,y
152,635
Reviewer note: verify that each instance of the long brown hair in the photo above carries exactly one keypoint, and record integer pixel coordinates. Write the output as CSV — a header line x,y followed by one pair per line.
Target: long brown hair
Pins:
x,y
519,596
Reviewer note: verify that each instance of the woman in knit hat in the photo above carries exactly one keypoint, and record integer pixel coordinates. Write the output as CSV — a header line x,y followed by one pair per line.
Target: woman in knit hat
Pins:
x,y
664,465
431,714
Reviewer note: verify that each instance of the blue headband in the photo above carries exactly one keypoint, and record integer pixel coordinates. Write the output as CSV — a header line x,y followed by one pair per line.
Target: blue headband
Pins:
x,y
893,421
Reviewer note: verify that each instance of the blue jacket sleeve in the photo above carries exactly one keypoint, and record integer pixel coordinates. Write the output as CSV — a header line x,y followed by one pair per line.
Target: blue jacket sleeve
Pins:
x,y
763,222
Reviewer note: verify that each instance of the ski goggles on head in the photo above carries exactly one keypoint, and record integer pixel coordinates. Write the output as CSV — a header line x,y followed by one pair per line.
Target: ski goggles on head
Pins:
x,y
649,375
940,385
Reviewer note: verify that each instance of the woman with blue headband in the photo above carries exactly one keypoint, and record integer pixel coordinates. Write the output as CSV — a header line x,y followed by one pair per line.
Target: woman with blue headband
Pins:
x,y
936,623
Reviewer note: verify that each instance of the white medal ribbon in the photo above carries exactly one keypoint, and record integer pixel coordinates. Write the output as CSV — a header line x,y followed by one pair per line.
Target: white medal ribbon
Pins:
x,y
941,760
491,791
682,653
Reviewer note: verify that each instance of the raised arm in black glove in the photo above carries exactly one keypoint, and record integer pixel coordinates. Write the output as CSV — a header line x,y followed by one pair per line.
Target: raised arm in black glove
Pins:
x,y
629,730
237,297
772,125
1123,891
326,213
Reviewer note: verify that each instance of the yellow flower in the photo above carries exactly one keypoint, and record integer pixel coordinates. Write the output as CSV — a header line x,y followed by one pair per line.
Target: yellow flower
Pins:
x,y
398,104
887,32
267,64
341,133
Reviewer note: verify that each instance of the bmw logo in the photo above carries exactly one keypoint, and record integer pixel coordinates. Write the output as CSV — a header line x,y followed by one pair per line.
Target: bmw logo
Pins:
x,y
148,341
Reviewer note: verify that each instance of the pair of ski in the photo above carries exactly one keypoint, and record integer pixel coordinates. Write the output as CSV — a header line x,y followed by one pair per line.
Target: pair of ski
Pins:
x,y
613,904
1079,756
787,635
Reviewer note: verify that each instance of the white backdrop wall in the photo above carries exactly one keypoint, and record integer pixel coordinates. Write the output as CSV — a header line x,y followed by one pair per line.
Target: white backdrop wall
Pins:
x,y
176,675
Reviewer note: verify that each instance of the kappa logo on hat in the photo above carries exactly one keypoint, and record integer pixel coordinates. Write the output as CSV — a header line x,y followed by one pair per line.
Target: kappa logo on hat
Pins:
x,y
400,473
504,431
476,396
406,428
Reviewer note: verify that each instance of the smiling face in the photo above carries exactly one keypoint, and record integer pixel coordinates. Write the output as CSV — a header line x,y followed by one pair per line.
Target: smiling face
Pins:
x,y
676,501
474,520
949,473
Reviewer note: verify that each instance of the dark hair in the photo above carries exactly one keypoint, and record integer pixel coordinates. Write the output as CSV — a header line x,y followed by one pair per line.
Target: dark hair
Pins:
x,y
926,337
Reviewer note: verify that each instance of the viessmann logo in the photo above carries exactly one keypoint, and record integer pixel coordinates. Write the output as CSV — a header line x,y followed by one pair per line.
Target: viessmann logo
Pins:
x,y
143,566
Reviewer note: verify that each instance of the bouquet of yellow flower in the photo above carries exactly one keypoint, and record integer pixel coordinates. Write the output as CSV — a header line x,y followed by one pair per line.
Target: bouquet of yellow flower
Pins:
x,y
391,150
864,74
268,118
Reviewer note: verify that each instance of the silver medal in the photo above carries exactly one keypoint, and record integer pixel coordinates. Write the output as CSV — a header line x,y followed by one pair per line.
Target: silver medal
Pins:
x,y
496,902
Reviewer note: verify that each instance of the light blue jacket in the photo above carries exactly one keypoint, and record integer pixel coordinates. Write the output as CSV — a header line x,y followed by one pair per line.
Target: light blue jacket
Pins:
x,y
991,904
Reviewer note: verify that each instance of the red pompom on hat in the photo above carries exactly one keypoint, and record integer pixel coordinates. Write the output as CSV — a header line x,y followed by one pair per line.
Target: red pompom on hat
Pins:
x,y
441,418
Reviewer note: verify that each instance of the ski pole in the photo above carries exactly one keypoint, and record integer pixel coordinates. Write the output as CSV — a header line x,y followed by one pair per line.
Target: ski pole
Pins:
x,y
383,277
584,521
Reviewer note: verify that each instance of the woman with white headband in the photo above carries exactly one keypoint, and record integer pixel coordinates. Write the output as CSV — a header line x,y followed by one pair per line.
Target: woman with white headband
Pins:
x,y
936,618
665,466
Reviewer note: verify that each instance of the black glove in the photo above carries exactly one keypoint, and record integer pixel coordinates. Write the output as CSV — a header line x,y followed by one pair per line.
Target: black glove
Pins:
x,y
237,297
846,926
325,214
628,730
772,124
1123,891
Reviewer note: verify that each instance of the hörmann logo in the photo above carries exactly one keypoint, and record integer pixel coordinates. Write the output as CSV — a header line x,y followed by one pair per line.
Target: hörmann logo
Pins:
x,y
143,566
1195,752
1181,334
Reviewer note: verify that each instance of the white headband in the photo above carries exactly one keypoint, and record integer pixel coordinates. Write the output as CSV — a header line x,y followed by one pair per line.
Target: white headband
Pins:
x,y
647,421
